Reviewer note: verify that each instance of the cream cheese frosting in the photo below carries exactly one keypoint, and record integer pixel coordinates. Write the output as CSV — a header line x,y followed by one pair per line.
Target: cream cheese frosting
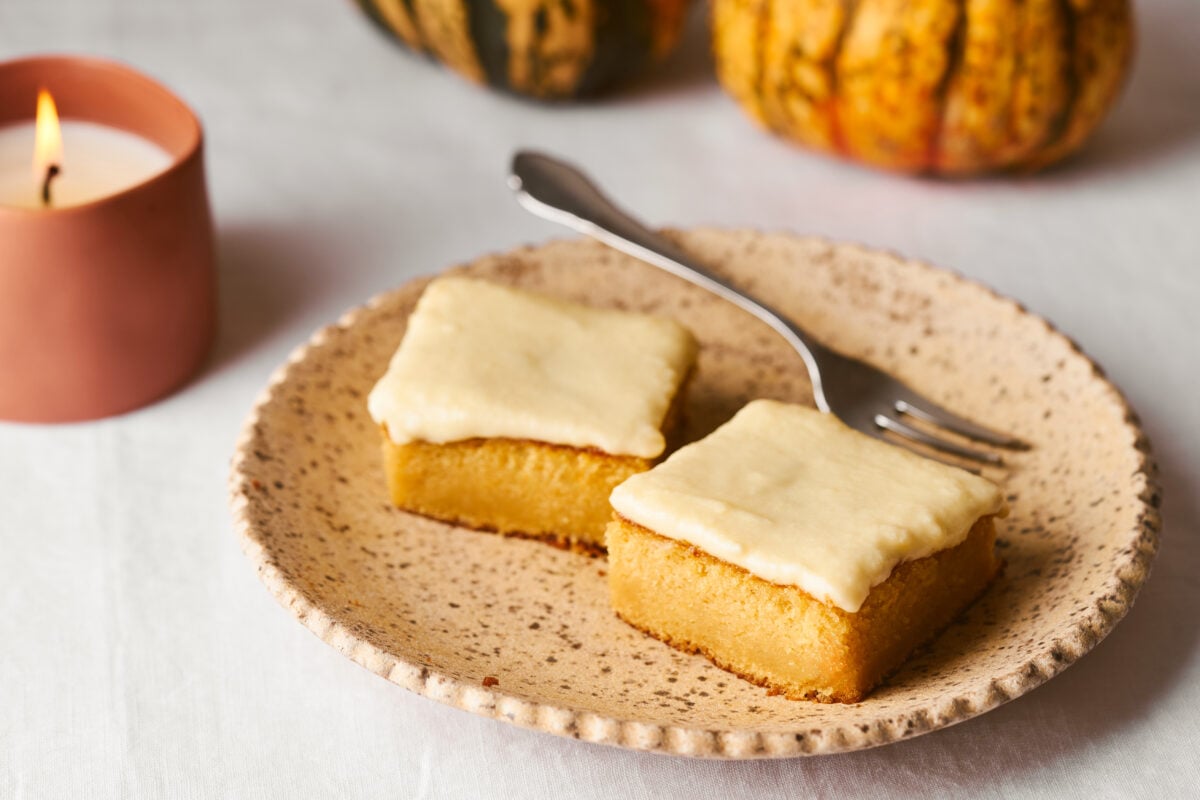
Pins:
x,y
484,360
796,497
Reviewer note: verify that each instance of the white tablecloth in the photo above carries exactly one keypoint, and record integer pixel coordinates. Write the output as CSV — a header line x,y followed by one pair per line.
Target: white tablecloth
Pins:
x,y
141,657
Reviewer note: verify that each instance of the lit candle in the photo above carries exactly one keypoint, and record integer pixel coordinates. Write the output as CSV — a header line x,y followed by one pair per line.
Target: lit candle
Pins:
x,y
74,162
107,290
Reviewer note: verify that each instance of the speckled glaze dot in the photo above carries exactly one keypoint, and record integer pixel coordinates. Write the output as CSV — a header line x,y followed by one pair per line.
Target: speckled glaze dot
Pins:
x,y
522,632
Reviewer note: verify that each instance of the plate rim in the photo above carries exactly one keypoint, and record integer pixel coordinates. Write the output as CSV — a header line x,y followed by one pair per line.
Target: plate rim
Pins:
x,y
1127,576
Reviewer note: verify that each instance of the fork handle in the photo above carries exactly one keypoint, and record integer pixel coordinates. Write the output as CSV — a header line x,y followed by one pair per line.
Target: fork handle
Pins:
x,y
559,192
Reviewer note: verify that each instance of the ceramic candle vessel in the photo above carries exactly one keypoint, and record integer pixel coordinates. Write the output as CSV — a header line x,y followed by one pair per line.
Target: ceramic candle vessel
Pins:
x,y
107,305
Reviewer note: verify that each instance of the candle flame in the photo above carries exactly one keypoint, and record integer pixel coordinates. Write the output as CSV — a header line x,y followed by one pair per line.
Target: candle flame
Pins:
x,y
48,147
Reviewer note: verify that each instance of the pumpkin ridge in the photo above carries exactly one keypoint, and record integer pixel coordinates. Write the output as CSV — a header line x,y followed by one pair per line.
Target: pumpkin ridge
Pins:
x,y
761,32
399,23
849,12
1058,129
444,29
1010,126
666,22
411,9
956,45
550,44
611,58
487,23
1103,28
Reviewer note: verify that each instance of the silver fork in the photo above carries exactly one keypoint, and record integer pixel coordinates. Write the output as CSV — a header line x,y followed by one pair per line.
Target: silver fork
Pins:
x,y
861,395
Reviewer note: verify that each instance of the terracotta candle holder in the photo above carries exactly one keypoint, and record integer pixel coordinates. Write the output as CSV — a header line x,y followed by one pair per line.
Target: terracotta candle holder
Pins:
x,y
108,305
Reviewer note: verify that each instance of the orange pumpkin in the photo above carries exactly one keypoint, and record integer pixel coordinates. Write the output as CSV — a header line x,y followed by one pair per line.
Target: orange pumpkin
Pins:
x,y
549,49
952,87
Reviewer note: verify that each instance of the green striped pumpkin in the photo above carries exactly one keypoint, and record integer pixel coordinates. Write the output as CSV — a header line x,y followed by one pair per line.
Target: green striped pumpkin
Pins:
x,y
941,86
549,49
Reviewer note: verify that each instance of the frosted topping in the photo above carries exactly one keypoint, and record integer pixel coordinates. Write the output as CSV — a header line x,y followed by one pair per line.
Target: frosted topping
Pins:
x,y
483,360
796,497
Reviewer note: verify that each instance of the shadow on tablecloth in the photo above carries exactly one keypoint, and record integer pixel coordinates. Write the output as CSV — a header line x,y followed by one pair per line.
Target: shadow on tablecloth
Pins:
x,y
267,275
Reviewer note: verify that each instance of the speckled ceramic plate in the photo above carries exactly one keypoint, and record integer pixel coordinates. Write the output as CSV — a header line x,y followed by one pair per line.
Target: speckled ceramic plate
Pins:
x,y
522,632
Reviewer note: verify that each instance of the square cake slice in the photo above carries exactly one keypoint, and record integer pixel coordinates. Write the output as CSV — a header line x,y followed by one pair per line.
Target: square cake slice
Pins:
x,y
515,412
798,553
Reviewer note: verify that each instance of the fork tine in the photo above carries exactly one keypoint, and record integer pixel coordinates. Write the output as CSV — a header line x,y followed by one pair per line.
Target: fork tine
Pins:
x,y
879,434
937,415
949,462
912,434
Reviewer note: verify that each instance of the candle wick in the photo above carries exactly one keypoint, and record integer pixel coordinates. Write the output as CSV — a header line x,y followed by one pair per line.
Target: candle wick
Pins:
x,y
52,172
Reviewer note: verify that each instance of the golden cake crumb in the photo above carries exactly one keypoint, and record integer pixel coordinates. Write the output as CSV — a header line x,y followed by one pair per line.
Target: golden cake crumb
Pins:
x,y
513,412
798,553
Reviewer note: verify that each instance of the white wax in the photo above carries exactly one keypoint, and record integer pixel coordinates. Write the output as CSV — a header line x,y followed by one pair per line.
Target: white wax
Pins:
x,y
97,161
